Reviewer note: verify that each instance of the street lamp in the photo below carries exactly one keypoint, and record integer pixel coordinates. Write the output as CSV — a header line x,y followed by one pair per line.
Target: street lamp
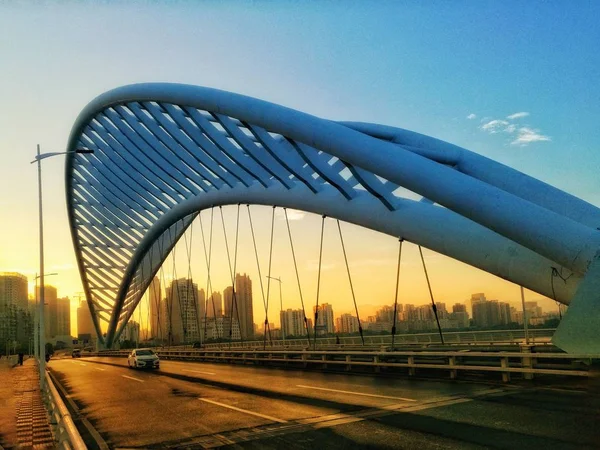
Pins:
x,y
38,159
36,339
281,308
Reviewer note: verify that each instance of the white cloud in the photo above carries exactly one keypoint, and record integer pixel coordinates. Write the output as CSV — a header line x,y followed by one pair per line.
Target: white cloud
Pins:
x,y
494,126
293,214
518,115
527,135
510,128
471,116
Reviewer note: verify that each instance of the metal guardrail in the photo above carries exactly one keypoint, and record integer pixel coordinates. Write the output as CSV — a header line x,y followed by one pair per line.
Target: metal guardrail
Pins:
x,y
489,337
524,362
65,431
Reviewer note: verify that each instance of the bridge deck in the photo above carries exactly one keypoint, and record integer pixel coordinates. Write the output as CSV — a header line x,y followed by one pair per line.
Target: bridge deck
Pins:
x,y
207,405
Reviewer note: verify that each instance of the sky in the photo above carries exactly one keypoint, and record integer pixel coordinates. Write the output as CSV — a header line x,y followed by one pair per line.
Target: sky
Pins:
x,y
514,81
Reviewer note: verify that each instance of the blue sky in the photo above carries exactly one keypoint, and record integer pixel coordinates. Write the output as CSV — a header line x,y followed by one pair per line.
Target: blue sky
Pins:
x,y
424,66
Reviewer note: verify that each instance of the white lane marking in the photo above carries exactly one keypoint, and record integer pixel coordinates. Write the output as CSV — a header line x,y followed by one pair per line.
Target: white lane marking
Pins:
x,y
264,416
356,393
98,368
131,378
199,371
82,364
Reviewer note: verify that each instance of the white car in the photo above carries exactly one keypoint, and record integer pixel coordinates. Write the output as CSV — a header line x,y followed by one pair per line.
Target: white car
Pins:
x,y
143,358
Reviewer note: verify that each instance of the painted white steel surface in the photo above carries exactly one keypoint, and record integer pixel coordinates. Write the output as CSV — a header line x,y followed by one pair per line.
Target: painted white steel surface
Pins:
x,y
163,152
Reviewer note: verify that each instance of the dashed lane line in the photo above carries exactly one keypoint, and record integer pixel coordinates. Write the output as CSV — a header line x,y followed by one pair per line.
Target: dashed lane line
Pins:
x,y
98,368
355,393
199,371
245,411
132,378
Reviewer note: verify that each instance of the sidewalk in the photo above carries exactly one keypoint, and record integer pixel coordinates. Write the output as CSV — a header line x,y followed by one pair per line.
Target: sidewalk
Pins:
x,y
23,417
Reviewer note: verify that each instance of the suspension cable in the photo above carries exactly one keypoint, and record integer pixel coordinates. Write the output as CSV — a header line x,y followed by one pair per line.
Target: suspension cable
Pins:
x,y
208,258
318,282
182,311
267,328
431,295
360,330
400,240
190,285
231,272
235,305
269,274
297,275
556,273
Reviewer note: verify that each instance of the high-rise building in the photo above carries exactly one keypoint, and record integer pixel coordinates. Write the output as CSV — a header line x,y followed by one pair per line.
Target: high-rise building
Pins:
x,y
347,323
228,302
13,305
214,307
85,325
13,290
292,322
476,298
243,293
182,314
219,328
324,322
491,313
63,317
459,307
385,314
131,332
156,317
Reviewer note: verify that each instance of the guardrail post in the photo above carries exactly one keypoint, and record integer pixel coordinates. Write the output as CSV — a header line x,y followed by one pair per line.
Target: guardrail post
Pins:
x,y
348,361
376,363
451,363
411,362
324,359
526,361
504,365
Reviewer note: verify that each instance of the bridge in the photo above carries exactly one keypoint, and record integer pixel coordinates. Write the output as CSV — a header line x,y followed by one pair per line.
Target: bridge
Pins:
x,y
159,155
164,152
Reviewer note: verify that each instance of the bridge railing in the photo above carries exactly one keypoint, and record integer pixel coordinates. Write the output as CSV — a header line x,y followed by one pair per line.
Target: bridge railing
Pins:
x,y
65,431
525,363
488,337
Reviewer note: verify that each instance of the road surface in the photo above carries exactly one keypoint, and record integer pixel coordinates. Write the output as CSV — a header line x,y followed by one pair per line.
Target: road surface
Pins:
x,y
201,405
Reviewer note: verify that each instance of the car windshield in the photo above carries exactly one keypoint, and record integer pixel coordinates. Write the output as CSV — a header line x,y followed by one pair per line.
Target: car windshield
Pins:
x,y
144,352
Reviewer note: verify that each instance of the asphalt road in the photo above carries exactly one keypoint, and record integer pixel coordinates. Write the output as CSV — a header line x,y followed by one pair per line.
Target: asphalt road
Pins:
x,y
200,405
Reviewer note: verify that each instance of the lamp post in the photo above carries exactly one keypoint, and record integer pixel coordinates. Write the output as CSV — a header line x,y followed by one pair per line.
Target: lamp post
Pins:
x,y
281,308
36,338
38,159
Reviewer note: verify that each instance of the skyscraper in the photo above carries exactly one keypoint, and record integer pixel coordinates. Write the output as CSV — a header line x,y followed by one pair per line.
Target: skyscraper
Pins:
x,y
13,305
324,322
214,305
347,323
182,312
243,293
292,322
63,317
84,320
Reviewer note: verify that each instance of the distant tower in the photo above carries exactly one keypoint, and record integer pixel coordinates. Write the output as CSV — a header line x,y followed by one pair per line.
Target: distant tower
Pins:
x,y
243,294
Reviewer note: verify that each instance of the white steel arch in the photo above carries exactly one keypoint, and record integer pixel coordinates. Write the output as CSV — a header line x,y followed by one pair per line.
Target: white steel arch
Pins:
x,y
164,152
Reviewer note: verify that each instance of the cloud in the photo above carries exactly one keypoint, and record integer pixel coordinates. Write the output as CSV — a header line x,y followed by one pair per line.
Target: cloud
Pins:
x,y
494,126
527,135
518,115
510,128
471,116
293,214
